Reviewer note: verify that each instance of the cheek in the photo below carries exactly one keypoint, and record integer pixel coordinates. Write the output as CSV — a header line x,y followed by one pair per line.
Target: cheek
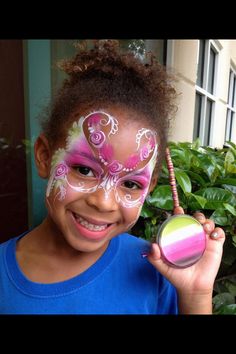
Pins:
x,y
131,215
62,193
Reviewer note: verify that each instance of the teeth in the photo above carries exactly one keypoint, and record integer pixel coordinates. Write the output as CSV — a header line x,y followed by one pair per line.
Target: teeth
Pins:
x,y
90,226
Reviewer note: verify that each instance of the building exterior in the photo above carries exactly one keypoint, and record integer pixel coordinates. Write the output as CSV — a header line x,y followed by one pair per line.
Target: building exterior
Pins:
x,y
207,87
206,72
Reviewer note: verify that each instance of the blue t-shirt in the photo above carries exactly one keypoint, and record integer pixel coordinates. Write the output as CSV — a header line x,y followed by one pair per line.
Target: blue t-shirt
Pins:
x,y
119,282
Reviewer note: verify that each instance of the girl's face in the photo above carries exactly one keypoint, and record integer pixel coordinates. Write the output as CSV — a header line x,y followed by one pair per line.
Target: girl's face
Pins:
x,y
100,178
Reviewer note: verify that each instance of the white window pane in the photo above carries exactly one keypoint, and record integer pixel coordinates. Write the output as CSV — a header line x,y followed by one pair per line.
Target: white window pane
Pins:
x,y
197,116
207,127
233,128
211,74
234,93
228,125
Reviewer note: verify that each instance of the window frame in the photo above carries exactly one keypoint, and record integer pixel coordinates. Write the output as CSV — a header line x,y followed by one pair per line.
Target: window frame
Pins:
x,y
204,93
230,123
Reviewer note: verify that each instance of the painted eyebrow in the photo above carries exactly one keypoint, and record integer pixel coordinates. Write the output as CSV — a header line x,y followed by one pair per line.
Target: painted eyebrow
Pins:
x,y
76,152
88,156
141,174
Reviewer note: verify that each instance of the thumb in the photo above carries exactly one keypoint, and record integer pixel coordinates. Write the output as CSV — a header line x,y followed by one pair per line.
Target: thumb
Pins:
x,y
155,259
178,210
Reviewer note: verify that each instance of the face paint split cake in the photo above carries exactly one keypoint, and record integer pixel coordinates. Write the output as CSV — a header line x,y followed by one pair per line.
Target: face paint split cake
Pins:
x,y
181,238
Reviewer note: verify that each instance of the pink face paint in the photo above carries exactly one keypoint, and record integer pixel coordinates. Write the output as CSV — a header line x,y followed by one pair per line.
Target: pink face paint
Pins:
x,y
132,162
135,197
76,158
89,144
106,153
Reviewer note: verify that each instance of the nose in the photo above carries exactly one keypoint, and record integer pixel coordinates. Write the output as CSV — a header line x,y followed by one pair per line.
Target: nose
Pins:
x,y
103,200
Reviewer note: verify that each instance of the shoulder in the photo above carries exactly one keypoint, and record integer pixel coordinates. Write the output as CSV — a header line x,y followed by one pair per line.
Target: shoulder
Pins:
x,y
133,241
5,244
130,253
8,247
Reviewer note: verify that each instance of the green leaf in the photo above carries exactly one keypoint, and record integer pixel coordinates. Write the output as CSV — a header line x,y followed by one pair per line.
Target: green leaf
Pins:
x,y
148,231
196,178
154,221
201,200
222,299
196,144
162,198
206,164
183,180
230,208
231,181
220,217
227,310
230,188
181,157
216,197
229,157
231,168
146,211
231,287
231,144
234,240
229,164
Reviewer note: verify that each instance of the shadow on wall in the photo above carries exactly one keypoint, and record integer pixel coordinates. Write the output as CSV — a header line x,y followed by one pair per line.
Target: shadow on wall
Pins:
x,y
13,190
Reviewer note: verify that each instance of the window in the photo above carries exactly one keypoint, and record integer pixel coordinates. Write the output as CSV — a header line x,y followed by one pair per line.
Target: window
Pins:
x,y
205,91
231,107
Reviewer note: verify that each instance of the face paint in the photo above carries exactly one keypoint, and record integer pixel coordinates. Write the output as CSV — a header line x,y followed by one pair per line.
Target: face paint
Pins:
x,y
89,161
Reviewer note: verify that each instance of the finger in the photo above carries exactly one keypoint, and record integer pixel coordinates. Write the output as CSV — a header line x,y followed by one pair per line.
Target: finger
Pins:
x,y
208,226
178,210
199,216
218,234
155,259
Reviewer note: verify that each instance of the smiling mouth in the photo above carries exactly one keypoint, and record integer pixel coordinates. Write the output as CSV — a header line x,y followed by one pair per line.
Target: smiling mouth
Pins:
x,y
90,226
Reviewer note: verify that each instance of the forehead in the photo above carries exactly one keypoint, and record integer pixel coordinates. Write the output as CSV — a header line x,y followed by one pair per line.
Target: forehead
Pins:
x,y
121,132
115,138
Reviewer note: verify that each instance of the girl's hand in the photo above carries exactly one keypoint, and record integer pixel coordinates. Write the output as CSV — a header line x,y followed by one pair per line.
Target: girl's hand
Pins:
x,y
198,279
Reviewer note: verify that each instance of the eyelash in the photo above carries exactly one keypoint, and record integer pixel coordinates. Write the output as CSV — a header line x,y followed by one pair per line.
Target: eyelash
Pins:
x,y
78,167
138,186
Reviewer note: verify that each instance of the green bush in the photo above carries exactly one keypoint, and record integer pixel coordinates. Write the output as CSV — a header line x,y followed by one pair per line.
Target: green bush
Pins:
x,y
206,181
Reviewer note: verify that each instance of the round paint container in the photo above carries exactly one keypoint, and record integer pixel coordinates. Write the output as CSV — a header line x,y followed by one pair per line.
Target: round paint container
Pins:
x,y
182,240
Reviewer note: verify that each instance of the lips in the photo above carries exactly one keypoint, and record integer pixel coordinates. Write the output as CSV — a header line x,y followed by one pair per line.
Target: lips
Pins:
x,y
90,228
93,226
91,221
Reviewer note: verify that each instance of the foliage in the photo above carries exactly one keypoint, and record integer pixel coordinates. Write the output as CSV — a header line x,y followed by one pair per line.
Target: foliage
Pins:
x,y
206,181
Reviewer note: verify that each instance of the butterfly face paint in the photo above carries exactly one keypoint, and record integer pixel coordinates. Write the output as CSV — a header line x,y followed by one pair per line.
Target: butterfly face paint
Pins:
x,y
95,158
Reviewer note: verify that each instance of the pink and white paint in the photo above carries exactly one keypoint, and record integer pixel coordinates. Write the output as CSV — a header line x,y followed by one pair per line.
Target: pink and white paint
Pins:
x,y
89,144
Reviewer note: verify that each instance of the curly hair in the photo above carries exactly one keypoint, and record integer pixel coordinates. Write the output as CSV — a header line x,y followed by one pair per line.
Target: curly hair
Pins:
x,y
106,75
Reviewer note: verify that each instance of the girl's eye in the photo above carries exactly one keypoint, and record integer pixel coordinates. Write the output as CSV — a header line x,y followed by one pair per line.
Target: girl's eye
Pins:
x,y
132,185
83,170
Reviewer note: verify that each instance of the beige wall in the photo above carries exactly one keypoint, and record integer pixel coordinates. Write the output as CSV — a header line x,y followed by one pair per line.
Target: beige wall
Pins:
x,y
184,54
184,63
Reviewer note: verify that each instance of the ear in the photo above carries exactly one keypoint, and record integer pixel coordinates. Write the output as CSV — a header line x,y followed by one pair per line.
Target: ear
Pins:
x,y
42,155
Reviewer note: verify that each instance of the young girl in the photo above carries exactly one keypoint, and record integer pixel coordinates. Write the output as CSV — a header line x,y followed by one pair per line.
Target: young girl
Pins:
x,y
100,150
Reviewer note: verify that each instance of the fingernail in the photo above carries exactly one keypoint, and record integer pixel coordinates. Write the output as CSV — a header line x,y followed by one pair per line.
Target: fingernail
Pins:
x,y
207,227
144,254
214,234
153,254
201,217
